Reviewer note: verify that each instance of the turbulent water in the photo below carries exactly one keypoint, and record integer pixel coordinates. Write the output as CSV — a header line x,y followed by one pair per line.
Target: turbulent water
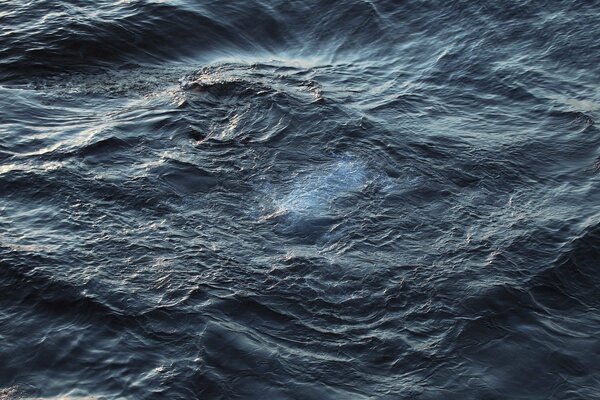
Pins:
x,y
299,200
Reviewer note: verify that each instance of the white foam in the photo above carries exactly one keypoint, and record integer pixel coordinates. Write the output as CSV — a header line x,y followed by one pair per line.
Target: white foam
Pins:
x,y
314,204
313,194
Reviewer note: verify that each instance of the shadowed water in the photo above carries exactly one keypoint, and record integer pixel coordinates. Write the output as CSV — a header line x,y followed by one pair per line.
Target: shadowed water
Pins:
x,y
299,200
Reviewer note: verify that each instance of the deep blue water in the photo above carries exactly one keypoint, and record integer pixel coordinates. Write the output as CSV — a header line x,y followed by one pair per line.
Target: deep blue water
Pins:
x,y
278,199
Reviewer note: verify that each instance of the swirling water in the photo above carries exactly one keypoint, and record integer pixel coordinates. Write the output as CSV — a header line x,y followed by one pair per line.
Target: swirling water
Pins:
x,y
299,200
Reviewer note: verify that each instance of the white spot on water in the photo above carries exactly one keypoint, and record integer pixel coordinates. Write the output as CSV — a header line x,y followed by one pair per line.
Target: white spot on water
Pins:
x,y
317,203
314,193
307,206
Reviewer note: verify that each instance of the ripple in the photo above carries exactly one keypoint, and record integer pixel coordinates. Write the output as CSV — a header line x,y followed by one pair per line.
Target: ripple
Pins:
x,y
298,199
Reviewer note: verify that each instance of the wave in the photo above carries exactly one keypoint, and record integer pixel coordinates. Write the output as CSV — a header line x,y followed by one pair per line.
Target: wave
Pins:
x,y
49,37
291,198
572,280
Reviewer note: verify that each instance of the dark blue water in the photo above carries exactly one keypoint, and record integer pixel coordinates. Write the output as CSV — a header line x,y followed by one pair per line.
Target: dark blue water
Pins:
x,y
299,200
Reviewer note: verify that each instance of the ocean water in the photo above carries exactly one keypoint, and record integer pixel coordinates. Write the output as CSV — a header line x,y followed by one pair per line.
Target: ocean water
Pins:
x,y
271,199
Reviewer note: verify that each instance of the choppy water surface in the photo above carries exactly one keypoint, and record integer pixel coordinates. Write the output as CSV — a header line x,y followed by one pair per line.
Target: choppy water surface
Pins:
x,y
299,200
